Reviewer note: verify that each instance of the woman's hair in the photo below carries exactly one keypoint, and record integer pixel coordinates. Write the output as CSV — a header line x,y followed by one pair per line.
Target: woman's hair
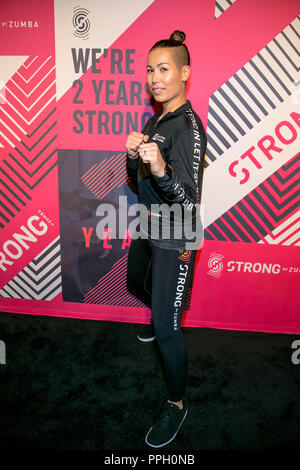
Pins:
x,y
181,56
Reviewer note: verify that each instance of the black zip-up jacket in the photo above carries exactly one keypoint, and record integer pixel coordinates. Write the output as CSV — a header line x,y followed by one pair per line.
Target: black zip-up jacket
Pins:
x,y
182,141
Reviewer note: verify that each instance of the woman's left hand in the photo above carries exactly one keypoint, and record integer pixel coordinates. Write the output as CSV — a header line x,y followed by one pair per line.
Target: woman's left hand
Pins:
x,y
150,153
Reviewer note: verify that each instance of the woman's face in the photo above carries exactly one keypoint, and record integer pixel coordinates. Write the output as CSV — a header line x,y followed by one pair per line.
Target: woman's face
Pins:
x,y
165,80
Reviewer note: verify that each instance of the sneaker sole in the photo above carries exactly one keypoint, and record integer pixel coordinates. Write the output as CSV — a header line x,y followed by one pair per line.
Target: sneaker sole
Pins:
x,y
146,340
170,440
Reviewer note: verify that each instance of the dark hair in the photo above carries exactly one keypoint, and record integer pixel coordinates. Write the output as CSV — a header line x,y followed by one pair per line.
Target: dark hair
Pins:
x,y
176,40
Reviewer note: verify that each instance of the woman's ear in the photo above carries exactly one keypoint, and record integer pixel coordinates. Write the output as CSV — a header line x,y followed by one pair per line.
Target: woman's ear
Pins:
x,y
185,72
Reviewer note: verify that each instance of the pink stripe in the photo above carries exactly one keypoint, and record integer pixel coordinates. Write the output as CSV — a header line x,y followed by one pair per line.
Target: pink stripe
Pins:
x,y
227,225
117,297
248,220
210,233
285,174
102,190
271,205
100,174
105,278
85,175
296,241
100,295
88,172
289,236
104,288
101,186
268,231
282,198
231,215
116,182
95,291
220,230
99,168
285,228
257,203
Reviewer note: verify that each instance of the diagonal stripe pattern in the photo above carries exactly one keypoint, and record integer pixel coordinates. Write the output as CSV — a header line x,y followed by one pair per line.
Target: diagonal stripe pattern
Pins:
x,y
103,177
253,92
221,6
269,214
27,134
40,279
111,289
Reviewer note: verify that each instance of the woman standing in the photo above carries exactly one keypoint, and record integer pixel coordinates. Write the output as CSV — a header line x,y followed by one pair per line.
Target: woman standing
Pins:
x,y
164,162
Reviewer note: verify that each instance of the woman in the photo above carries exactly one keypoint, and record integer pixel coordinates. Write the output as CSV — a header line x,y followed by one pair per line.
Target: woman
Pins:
x,y
164,162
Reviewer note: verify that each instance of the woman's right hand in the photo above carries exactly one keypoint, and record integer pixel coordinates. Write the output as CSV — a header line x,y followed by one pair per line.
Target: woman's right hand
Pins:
x,y
134,140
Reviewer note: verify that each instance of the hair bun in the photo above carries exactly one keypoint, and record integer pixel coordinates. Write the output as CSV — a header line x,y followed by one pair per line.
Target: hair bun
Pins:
x,y
178,36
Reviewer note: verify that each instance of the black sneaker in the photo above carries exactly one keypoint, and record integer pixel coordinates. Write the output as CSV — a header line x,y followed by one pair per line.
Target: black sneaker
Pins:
x,y
165,429
147,333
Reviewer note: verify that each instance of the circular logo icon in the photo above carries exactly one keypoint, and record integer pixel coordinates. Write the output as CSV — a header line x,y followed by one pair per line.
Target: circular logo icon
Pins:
x,y
81,22
215,264
184,255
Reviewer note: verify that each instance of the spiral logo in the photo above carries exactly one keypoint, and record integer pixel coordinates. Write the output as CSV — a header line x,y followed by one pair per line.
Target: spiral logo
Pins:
x,y
185,255
215,264
81,22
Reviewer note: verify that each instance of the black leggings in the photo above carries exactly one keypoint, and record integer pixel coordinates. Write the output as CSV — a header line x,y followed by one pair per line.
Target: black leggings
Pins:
x,y
162,278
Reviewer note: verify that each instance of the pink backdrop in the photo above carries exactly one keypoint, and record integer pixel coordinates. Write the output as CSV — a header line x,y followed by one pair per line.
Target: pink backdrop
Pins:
x,y
244,86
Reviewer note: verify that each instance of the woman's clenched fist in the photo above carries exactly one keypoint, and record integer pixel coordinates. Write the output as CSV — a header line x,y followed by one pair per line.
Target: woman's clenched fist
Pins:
x,y
150,153
134,140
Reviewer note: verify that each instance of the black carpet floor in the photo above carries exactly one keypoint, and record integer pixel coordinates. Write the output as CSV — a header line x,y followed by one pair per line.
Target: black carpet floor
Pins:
x,y
90,385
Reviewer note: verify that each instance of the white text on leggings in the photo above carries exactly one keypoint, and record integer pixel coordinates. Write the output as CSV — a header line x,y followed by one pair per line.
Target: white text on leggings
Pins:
x,y
179,291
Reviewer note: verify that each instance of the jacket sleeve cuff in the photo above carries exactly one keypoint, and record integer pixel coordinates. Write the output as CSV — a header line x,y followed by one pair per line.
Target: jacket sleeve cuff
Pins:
x,y
167,176
133,162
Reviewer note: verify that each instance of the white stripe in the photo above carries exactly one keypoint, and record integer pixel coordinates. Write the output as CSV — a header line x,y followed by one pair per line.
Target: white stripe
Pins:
x,y
288,48
7,139
33,104
27,66
282,58
27,81
15,122
271,79
3,294
277,69
22,293
265,88
244,94
239,105
222,131
36,115
286,222
54,284
27,95
255,93
232,113
45,261
38,284
47,247
54,294
10,130
287,232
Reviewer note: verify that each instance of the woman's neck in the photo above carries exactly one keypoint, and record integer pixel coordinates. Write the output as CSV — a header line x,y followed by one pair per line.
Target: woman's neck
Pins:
x,y
171,107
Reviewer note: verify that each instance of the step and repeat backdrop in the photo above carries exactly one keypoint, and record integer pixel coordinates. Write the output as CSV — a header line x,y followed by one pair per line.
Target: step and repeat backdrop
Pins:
x,y
73,85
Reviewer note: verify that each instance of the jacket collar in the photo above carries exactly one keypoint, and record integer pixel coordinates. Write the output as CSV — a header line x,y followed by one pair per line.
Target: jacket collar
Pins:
x,y
177,111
